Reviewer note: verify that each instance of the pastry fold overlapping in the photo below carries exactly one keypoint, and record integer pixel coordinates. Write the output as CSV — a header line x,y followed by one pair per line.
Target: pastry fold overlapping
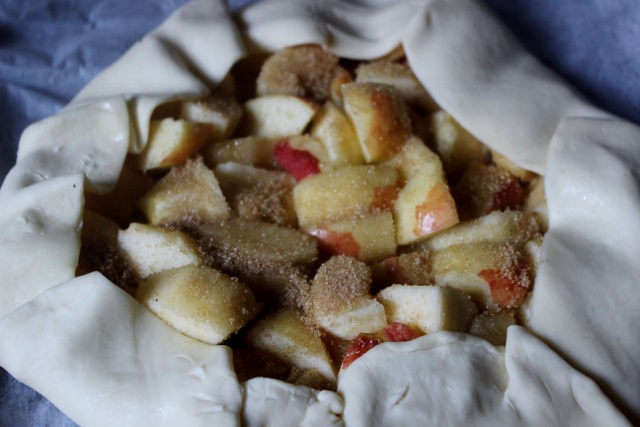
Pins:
x,y
104,360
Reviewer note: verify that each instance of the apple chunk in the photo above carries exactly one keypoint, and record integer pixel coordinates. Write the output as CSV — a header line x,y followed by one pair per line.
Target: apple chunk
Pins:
x,y
305,71
512,227
289,337
221,113
262,241
151,249
171,142
494,275
340,302
493,325
258,194
484,188
353,237
457,147
299,161
428,308
334,130
411,158
200,302
190,191
380,118
251,150
344,193
276,116
424,206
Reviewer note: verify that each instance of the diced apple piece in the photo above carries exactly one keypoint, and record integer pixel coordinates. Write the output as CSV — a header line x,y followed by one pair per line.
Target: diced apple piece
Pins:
x,y
272,260
380,118
354,237
334,130
263,241
190,191
395,332
340,302
221,113
364,314
428,308
492,326
276,116
287,335
152,249
344,193
251,150
171,142
200,302
337,282
360,345
457,147
400,77
494,275
304,71
424,206
536,202
400,332
300,156
258,194
484,188
512,227
405,269
411,158
120,203
341,77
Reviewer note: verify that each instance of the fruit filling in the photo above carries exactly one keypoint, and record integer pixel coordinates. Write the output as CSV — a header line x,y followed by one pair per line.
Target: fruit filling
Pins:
x,y
313,208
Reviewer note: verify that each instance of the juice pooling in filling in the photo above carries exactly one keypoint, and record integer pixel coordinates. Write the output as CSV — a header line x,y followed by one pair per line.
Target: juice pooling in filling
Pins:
x,y
313,208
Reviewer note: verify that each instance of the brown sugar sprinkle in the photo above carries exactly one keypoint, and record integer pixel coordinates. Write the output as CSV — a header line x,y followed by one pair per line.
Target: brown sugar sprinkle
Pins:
x,y
484,188
269,201
304,71
275,281
111,262
338,282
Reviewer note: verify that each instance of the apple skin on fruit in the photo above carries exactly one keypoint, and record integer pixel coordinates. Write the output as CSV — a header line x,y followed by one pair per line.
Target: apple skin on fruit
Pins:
x,y
424,206
299,163
395,332
353,237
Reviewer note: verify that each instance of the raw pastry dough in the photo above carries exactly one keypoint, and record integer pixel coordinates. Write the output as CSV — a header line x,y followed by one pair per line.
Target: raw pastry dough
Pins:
x,y
105,361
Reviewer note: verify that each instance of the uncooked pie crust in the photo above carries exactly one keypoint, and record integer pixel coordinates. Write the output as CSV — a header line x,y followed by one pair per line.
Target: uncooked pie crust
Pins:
x,y
104,360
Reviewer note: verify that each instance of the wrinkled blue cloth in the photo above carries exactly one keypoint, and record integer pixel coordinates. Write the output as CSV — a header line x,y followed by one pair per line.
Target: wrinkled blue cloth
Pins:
x,y
50,48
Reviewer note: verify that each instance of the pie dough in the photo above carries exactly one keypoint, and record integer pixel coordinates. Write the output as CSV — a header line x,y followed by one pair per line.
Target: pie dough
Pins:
x,y
104,360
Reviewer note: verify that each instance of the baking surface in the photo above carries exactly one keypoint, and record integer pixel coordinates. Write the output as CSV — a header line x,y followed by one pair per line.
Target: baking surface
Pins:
x,y
48,53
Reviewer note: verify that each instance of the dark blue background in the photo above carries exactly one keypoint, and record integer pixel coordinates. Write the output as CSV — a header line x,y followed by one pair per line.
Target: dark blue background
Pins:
x,y
50,49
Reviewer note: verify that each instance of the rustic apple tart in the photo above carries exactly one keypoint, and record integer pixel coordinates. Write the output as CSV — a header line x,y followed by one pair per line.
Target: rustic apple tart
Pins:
x,y
294,215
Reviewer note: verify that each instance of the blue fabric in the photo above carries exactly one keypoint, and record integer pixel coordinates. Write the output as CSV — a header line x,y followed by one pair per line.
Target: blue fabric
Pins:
x,y
50,48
